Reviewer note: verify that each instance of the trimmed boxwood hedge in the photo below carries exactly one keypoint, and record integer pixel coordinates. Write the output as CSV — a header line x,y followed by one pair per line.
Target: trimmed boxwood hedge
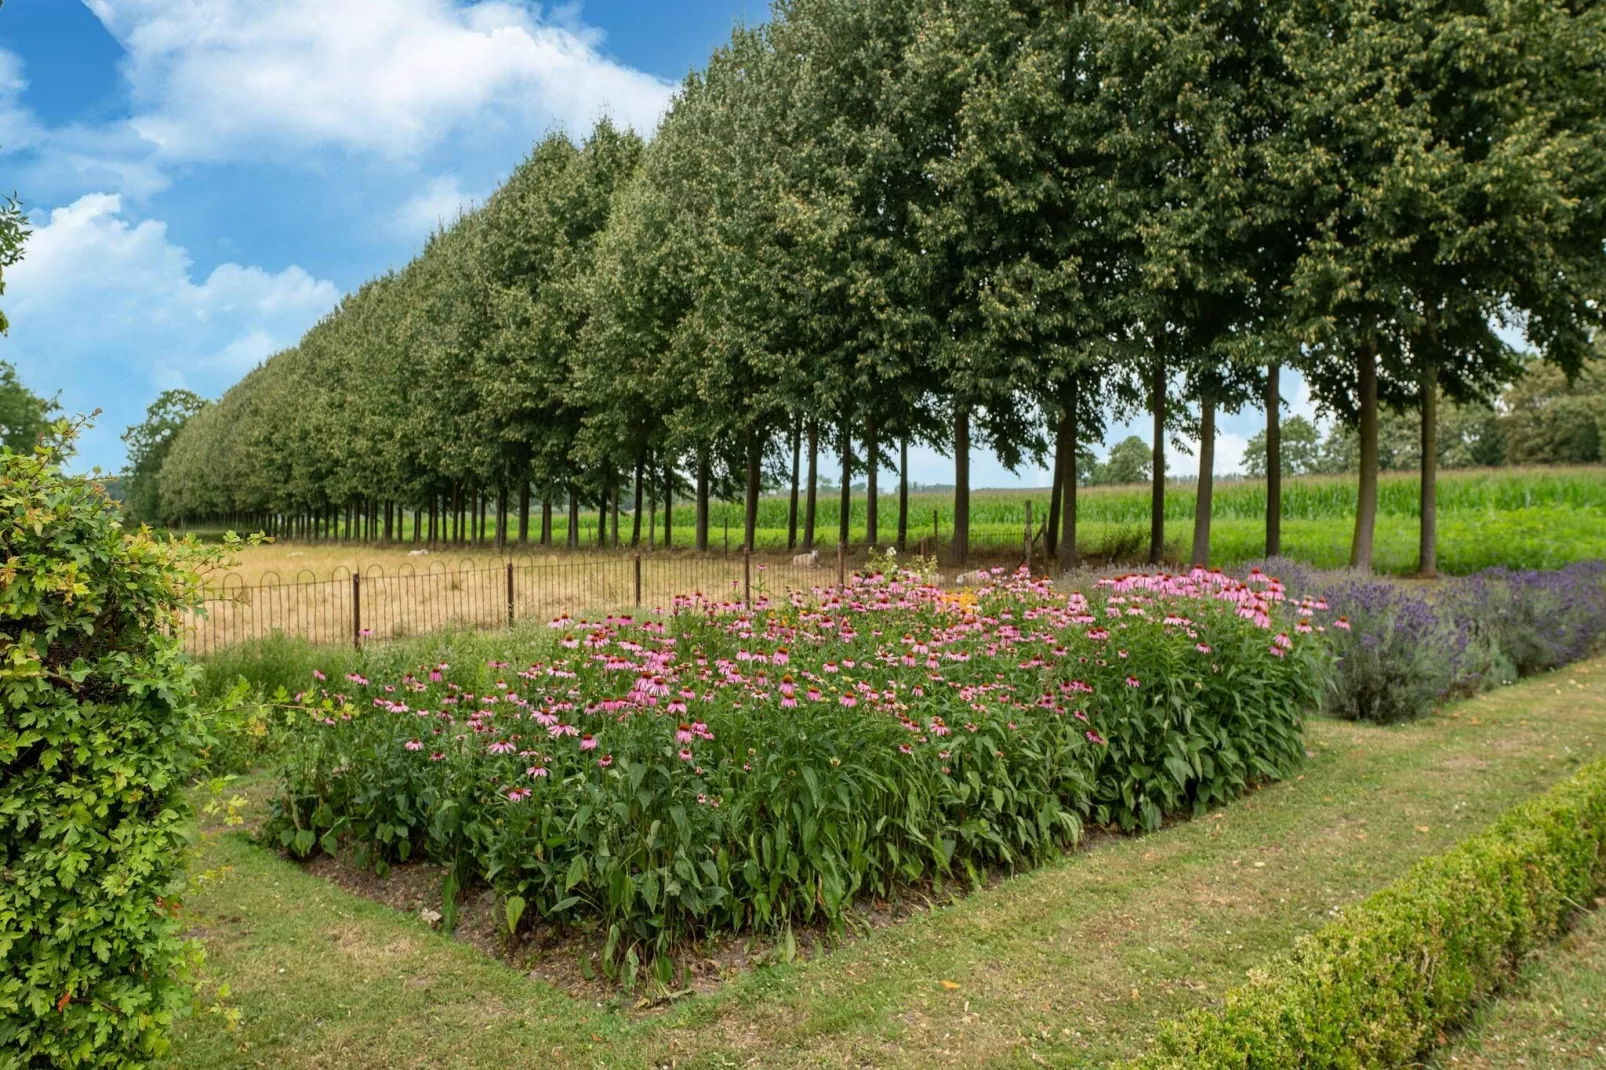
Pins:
x,y
1375,988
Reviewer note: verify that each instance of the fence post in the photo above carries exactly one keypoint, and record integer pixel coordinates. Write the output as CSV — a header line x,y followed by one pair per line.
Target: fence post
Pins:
x,y
638,581
1028,535
510,594
356,610
747,576
841,566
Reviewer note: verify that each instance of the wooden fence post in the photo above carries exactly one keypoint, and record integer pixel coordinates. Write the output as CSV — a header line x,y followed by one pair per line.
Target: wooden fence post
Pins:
x,y
510,594
638,581
356,610
747,576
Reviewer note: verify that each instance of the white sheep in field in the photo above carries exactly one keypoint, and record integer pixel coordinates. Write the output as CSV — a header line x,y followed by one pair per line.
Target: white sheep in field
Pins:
x,y
417,553
808,560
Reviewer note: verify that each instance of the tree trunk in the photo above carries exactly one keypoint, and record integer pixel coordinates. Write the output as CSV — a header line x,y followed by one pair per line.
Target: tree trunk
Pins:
x,y
546,520
961,484
755,459
615,497
524,513
1428,548
669,506
1069,486
635,533
845,508
903,493
1274,461
1360,554
872,516
1207,465
814,484
652,515
501,516
573,538
702,500
1157,486
1051,535
791,511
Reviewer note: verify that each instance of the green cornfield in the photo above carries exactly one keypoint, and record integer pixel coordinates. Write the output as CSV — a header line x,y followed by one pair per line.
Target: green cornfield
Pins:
x,y
1512,517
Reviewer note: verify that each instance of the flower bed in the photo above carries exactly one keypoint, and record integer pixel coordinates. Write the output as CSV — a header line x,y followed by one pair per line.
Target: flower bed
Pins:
x,y
733,768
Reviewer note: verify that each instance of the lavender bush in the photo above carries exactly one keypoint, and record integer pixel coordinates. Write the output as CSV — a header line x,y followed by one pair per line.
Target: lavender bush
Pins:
x,y
1403,647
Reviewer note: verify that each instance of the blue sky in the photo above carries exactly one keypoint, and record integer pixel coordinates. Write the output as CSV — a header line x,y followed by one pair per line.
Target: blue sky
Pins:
x,y
206,177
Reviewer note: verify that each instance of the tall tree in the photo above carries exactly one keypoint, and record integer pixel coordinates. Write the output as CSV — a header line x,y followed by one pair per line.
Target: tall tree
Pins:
x,y
149,442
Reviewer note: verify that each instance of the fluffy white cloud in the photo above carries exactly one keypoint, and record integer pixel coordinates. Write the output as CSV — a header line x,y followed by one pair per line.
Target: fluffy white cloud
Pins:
x,y
107,311
226,79
437,204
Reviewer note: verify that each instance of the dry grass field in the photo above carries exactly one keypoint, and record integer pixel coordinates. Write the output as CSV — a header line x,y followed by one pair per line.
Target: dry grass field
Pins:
x,y
353,593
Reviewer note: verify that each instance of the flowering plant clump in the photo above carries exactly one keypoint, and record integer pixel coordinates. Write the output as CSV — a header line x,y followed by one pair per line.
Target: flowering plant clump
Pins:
x,y
1402,648
749,767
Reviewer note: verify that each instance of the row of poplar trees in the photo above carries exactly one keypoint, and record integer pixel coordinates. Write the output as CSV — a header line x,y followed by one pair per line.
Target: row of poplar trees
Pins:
x,y
964,223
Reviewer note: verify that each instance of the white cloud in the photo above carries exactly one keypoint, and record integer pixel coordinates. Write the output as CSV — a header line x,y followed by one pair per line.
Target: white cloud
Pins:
x,y
229,79
439,203
106,310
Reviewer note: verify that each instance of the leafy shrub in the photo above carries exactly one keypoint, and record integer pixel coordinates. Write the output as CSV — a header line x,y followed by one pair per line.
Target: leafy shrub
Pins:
x,y
1376,987
733,769
1403,647
97,735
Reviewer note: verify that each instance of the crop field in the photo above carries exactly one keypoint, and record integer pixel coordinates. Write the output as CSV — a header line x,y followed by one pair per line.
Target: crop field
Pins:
x,y
1532,518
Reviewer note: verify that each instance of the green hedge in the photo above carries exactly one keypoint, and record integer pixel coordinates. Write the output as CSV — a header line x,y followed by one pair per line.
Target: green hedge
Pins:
x,y
1375,988
97,737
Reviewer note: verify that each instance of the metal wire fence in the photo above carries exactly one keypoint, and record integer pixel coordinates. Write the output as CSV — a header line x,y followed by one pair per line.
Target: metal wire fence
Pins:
x,y
376,605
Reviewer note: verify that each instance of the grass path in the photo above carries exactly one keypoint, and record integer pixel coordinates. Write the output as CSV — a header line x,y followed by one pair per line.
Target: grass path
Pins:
x,y
1071,965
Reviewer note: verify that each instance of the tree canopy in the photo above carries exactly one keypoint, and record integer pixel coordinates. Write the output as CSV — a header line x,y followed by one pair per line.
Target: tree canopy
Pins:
x,y
871,222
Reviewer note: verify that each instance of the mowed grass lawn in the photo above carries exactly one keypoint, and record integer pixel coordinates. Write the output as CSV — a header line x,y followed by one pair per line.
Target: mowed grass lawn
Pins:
x,y
1553,1019
1070,965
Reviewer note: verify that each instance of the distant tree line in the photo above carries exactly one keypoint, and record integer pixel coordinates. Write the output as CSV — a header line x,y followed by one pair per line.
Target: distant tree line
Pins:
x,y
877,223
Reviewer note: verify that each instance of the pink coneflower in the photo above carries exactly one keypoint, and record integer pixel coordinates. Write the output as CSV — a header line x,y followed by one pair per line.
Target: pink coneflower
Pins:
x,y
413,744
1283,641
536,771
1133,681
317,674
1276,651
1094,737
1202,648
702,798
904,748
781,656
438,756
683,734
588,742
685,755
814,694
605,761
829,666
1342,623
849,700
518,794
502,746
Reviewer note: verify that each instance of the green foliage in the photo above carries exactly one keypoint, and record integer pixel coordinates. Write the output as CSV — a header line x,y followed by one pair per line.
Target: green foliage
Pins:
x,y
148,445
97,738
24,415
13,233
1130,461
1299,452
1546,419
674,777
1379,986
